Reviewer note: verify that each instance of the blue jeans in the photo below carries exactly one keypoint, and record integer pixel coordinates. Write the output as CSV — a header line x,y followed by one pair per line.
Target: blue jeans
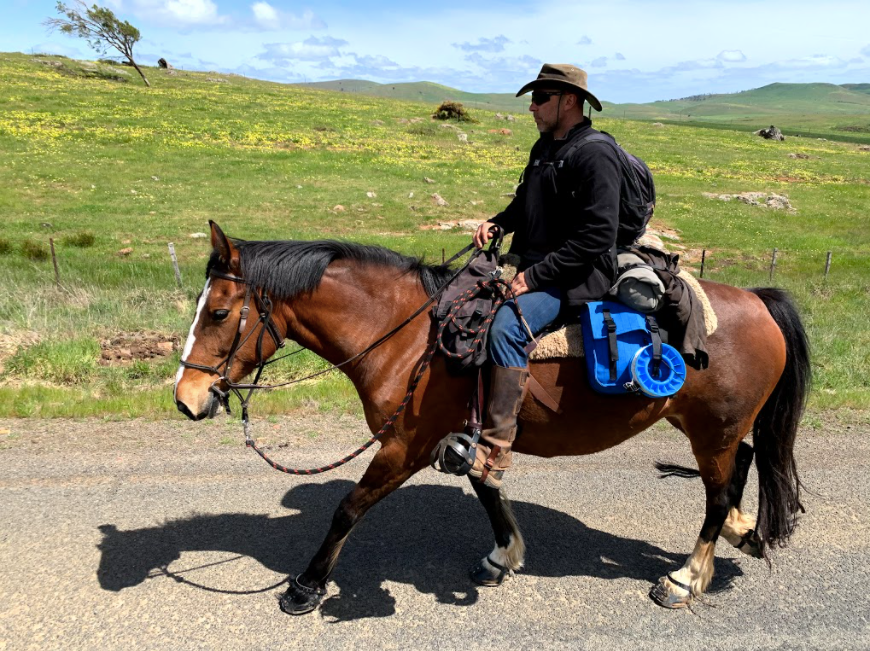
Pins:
x,y
508,336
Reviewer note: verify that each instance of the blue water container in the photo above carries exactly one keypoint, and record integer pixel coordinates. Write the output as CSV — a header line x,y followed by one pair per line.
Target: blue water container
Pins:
x,y
672,372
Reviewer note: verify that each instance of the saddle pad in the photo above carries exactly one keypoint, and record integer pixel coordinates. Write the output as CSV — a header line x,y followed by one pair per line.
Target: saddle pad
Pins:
x,y
568,341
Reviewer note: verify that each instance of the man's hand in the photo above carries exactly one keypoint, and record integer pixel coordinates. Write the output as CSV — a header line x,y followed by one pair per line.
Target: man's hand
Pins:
x,y
518,284
482,234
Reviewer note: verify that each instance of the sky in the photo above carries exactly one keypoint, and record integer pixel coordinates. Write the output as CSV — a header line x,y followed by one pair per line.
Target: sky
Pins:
x,y
633,50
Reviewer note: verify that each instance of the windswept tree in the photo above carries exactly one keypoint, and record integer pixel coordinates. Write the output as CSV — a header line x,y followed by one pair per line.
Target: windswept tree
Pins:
x,y
100,28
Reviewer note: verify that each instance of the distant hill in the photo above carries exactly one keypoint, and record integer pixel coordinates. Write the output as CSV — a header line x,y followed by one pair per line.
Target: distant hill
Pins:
x,y
426,91
815,110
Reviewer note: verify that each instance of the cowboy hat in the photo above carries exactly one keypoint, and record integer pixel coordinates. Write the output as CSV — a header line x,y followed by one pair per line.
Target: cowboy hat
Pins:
x,y
562,75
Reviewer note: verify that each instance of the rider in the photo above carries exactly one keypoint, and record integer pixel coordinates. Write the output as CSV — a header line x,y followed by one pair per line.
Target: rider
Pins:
x,y
564,219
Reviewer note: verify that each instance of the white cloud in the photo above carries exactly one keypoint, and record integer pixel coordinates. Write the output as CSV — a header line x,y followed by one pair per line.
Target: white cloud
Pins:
x,y
600,62
264,13
584,40
174,13
311,49
192,12
866,50
619,56
485,44
57,48
731,56
268,18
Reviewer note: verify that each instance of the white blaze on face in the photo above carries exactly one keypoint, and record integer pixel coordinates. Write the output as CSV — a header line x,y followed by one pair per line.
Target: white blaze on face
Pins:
x,y
188,345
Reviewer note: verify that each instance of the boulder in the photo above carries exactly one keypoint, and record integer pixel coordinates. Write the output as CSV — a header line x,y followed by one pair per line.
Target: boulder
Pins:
x,y
163,63
772,133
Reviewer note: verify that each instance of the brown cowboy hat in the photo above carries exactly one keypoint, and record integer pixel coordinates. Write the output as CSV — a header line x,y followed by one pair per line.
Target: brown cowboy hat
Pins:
x,y
563,75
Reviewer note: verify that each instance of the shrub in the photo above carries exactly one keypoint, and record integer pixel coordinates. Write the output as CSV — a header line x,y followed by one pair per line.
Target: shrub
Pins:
x,y
82,239
5,246
452,111
34,251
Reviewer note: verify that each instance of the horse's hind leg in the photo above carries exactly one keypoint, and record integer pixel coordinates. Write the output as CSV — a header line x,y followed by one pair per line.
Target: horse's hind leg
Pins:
x,y
739,528
510,550
717,469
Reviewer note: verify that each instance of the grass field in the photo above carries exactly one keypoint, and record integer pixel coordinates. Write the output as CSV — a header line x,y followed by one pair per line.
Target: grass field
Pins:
x,y
113,171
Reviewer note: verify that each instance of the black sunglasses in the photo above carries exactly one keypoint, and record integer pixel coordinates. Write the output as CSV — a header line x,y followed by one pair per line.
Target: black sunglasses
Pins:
x,y
540,97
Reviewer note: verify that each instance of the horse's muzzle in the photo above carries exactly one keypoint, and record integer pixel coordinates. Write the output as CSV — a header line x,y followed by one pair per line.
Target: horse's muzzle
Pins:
x,y
209,409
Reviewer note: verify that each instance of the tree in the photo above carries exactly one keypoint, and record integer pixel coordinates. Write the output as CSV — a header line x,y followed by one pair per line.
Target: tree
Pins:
x,y
100,28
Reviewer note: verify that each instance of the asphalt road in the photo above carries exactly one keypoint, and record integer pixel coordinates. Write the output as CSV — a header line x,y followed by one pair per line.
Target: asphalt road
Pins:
x,y
170,535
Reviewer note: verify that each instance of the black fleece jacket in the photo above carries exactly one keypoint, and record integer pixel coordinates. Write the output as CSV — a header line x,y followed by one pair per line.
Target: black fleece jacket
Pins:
x,y
565,216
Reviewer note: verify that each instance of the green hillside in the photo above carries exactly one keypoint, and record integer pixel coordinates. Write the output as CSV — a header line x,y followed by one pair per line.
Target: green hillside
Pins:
x,y
112,172
425,91
810,110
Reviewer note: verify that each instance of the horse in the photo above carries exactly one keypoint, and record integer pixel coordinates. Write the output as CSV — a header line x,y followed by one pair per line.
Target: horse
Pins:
x,y
337,298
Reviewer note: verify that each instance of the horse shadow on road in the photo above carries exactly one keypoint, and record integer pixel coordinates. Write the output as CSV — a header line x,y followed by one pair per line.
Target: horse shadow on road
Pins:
x,y
423,535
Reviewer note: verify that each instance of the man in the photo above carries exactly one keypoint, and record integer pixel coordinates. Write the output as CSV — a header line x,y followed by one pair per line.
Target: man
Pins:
x,y
564,220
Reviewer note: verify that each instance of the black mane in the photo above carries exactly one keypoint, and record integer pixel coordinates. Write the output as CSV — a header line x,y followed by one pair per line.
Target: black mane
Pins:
x,y
287,268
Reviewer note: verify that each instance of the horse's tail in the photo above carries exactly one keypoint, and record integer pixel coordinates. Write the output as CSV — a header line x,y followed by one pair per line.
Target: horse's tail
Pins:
x,y
776,426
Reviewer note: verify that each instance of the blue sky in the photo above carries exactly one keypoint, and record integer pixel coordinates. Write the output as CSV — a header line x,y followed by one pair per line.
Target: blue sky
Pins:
x,y
634,50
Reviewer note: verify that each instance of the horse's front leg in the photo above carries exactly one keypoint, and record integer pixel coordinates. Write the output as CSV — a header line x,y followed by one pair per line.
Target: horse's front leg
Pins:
x,y
510,550
388,470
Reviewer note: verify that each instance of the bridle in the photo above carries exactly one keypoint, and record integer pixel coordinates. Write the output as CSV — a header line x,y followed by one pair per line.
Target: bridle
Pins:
x,y
264,307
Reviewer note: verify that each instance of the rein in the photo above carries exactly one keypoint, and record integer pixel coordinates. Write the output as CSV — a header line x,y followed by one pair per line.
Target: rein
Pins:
x,y
264,306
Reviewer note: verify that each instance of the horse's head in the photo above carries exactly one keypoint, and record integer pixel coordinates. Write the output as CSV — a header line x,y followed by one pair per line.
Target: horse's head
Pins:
x,y
232,331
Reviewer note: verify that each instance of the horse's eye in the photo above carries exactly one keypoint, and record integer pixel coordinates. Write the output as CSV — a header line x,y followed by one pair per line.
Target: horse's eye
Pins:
x,y
220,315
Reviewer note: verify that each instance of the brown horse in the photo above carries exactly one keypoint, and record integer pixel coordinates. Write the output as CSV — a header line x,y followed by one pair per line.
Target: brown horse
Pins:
x,y
337,298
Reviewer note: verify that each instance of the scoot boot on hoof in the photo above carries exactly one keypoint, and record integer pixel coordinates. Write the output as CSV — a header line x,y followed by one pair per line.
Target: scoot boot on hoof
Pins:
x,y
488,573
508,387
300,599
670,593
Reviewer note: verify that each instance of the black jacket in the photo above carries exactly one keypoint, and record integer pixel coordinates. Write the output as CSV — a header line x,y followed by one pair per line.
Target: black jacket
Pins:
x,y
565,215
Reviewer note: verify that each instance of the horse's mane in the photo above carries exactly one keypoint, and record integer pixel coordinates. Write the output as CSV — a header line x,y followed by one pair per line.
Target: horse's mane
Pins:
x,y
287,268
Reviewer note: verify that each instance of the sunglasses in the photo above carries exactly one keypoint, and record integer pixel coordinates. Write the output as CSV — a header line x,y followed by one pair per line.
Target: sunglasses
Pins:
x,y
540,97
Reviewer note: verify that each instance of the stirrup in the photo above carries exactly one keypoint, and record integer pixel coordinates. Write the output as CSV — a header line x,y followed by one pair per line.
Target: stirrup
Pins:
x,y
455,453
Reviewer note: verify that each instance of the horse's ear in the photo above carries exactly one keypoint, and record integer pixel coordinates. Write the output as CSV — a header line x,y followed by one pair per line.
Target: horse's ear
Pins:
x,y
228,253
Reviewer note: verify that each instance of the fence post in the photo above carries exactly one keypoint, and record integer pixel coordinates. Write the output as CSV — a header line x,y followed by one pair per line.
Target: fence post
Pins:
x,y
827,265
772,265
703,258
443,258
175,264
54,262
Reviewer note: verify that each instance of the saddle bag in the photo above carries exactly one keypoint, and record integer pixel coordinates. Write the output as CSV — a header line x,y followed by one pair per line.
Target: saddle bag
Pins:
x,y
463,339
625,354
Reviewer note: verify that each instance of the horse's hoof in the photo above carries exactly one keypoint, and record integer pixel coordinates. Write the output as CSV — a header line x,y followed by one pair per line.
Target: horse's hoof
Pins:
x,y
668,595
488,574
300,599
751,545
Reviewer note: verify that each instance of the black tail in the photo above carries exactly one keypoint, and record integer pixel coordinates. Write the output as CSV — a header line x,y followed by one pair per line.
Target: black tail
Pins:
x,y
776,426
673,470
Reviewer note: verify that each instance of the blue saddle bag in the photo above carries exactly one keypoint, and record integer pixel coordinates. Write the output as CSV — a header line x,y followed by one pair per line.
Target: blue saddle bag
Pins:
x,y
620,345
600,319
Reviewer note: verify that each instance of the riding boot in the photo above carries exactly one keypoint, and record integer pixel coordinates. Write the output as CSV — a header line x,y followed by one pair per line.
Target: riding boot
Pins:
x,y
508,387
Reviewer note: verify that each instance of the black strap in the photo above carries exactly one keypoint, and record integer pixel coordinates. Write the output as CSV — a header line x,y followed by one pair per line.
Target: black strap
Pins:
x,y
679,584
653,327
611,338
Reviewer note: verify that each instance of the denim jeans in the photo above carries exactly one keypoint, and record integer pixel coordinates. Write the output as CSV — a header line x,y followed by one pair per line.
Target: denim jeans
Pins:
x,y
508,336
